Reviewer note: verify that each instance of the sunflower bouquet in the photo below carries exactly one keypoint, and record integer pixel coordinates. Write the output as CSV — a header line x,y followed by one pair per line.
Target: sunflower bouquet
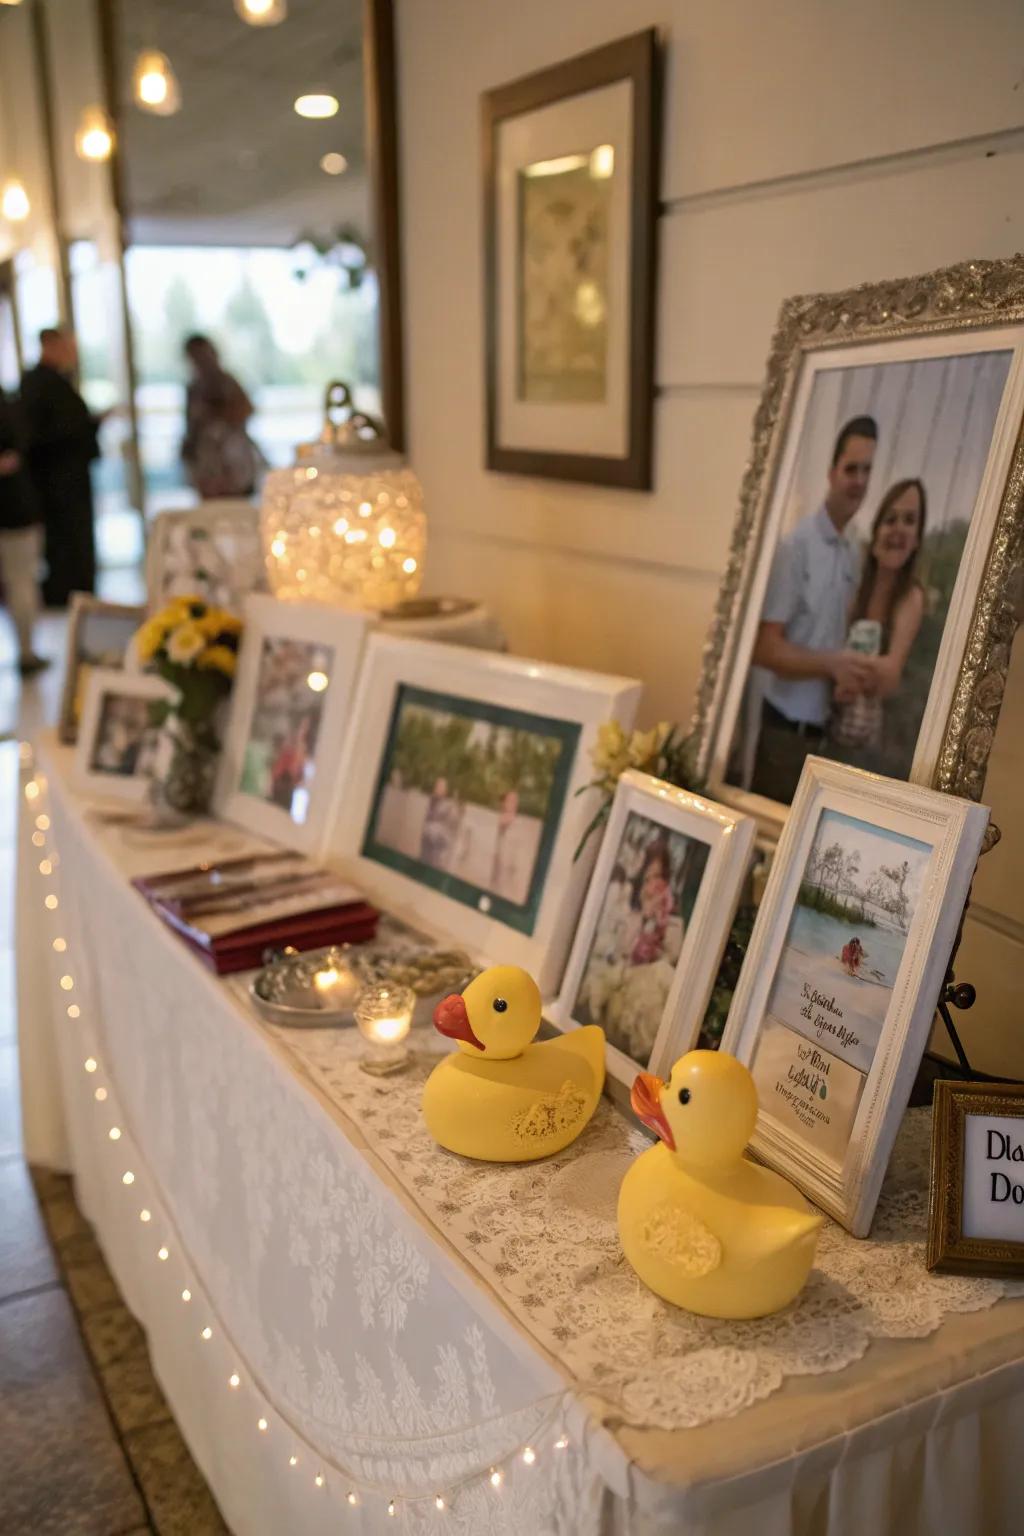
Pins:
x,y
194,646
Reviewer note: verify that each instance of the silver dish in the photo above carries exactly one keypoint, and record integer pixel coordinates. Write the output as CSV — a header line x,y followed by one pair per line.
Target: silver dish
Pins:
x,y
285,991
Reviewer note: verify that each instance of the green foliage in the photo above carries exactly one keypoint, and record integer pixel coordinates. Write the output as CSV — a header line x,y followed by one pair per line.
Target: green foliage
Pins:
x,y
430,746
846,910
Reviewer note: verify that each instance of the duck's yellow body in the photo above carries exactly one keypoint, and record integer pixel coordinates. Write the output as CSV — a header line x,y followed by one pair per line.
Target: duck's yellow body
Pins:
x,y
702,1225
499,1097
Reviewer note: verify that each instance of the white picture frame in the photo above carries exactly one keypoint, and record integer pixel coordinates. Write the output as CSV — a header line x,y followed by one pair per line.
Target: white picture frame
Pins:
x,y
213,551
908,911
277,630
724,840
96,632
555,713
98,772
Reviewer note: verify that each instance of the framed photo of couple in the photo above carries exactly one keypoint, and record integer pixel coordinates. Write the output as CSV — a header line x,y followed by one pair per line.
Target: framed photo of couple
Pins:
x,y
841,977
869,602
655,923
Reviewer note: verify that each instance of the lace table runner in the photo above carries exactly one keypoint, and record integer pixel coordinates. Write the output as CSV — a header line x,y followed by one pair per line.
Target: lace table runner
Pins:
x,y
543,1236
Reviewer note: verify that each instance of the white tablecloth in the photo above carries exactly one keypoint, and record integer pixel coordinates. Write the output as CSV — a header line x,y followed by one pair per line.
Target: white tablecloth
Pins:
x,y
370,1351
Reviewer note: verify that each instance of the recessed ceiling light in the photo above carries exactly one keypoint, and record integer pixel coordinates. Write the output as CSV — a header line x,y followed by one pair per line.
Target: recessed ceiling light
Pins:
x,y
333,163
316,104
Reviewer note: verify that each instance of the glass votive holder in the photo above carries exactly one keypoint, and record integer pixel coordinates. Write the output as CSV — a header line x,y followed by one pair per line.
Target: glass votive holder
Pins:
x,y
384,1017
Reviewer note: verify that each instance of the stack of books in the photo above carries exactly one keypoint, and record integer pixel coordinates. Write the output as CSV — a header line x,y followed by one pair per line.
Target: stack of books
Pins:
x,y
230,913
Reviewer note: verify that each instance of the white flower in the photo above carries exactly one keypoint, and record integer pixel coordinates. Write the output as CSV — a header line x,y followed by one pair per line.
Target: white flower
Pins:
x,y
185,643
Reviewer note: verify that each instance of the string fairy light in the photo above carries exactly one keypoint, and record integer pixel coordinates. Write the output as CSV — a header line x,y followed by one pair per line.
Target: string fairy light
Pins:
x,y
443,1502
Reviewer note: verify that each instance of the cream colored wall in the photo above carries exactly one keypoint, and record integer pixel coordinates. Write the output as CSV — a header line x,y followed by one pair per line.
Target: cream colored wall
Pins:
x,y
807,146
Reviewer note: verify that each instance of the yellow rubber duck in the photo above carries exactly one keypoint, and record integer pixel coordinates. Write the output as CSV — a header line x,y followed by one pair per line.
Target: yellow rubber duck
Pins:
x,y
499,1097
702,1225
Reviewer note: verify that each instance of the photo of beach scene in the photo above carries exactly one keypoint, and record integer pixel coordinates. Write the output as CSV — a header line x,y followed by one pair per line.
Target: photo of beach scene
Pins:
x,y
469,799
847,935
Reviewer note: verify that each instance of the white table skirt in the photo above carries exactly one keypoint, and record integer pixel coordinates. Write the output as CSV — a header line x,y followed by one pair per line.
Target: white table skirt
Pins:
x,y
372,1355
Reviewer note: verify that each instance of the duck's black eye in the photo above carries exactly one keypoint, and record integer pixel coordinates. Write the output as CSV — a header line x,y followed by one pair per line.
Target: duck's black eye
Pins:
x,y
684,1095
499,1005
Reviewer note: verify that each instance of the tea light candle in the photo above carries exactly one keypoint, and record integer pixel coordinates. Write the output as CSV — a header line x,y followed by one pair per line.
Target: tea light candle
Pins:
x,y
335,987
384,1017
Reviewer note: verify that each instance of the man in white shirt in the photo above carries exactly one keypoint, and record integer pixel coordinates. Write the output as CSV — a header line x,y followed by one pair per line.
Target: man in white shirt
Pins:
x,y
801,639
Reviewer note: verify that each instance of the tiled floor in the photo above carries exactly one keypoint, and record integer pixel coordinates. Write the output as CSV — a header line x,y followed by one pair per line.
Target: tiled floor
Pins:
x,y
87,1443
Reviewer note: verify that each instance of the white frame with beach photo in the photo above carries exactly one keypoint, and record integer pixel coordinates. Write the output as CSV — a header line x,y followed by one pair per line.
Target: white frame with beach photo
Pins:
x,y
914,939
320,626
102,684
565,705
727,837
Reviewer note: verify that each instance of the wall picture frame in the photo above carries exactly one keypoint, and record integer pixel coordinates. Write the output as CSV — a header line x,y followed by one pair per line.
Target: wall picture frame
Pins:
x,y
655,922
844,968
916,592
291,707
976,1196
118,748
462,808
99,634
570,198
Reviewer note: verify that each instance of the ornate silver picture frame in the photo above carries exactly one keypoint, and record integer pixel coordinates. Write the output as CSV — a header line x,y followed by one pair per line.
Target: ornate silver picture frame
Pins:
x,y
833,356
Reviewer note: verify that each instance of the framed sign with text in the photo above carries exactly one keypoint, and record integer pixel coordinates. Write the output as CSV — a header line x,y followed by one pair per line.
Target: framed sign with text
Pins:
x,y
976,1201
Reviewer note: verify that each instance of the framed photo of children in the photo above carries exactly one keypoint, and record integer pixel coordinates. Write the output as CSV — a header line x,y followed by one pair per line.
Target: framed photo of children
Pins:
x,y
867,609
840,982
976,1199
655,922
461,809
290,709
118,749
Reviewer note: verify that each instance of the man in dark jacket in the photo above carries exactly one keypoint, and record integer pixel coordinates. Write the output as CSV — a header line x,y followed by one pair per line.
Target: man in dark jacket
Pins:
x,y
19,536
61,446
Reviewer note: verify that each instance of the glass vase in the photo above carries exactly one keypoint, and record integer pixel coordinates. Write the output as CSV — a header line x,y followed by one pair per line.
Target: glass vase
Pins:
x,y
182,786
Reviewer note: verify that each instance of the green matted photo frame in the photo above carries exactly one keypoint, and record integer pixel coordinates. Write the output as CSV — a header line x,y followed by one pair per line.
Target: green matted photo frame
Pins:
x,y
443,883
563,733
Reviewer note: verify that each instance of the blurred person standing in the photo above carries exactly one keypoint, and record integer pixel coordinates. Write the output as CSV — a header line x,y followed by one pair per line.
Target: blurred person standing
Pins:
x,y
219,456
62,443
19,537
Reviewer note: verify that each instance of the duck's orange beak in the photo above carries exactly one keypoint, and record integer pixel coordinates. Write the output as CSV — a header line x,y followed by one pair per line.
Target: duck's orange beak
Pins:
x,y
646,1101
452,1019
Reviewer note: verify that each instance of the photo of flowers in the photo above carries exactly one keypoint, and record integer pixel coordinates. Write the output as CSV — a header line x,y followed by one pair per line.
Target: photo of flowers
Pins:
x,y
469,799
279,761
644,916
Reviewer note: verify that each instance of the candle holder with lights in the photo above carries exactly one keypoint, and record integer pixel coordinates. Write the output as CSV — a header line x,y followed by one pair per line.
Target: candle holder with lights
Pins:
x,y
346,524
384,1018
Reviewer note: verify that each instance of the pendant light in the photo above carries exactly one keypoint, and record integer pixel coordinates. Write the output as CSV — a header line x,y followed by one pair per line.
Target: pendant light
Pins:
x,y
14,203
94,136
154,84
262,13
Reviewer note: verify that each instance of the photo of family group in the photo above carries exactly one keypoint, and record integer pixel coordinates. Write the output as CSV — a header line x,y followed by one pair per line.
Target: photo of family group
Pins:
x,y
279,762
639,934
125,741
833,987
888,466
469,799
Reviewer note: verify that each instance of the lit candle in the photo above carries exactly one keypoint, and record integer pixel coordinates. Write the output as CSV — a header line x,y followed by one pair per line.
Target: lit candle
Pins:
x,y
335,985
384,1016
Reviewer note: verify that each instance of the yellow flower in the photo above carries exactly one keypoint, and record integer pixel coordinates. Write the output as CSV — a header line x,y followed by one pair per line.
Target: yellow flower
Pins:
x,y
219,658
645,746
149,639
610,753
185,643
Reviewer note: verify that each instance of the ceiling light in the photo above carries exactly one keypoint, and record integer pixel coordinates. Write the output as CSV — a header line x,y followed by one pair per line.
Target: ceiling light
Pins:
x,y
333,163
14,203
316,104
154,83
94,137
262,13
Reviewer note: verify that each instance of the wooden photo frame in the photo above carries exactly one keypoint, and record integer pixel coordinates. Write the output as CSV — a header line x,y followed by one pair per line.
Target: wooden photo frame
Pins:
x,y
654,924
99,634
570,302
914,389
977,1175
291,707
841,978
462,810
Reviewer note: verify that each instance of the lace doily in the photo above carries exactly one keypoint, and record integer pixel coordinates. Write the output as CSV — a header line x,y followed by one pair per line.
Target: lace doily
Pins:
x,y
543,1236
